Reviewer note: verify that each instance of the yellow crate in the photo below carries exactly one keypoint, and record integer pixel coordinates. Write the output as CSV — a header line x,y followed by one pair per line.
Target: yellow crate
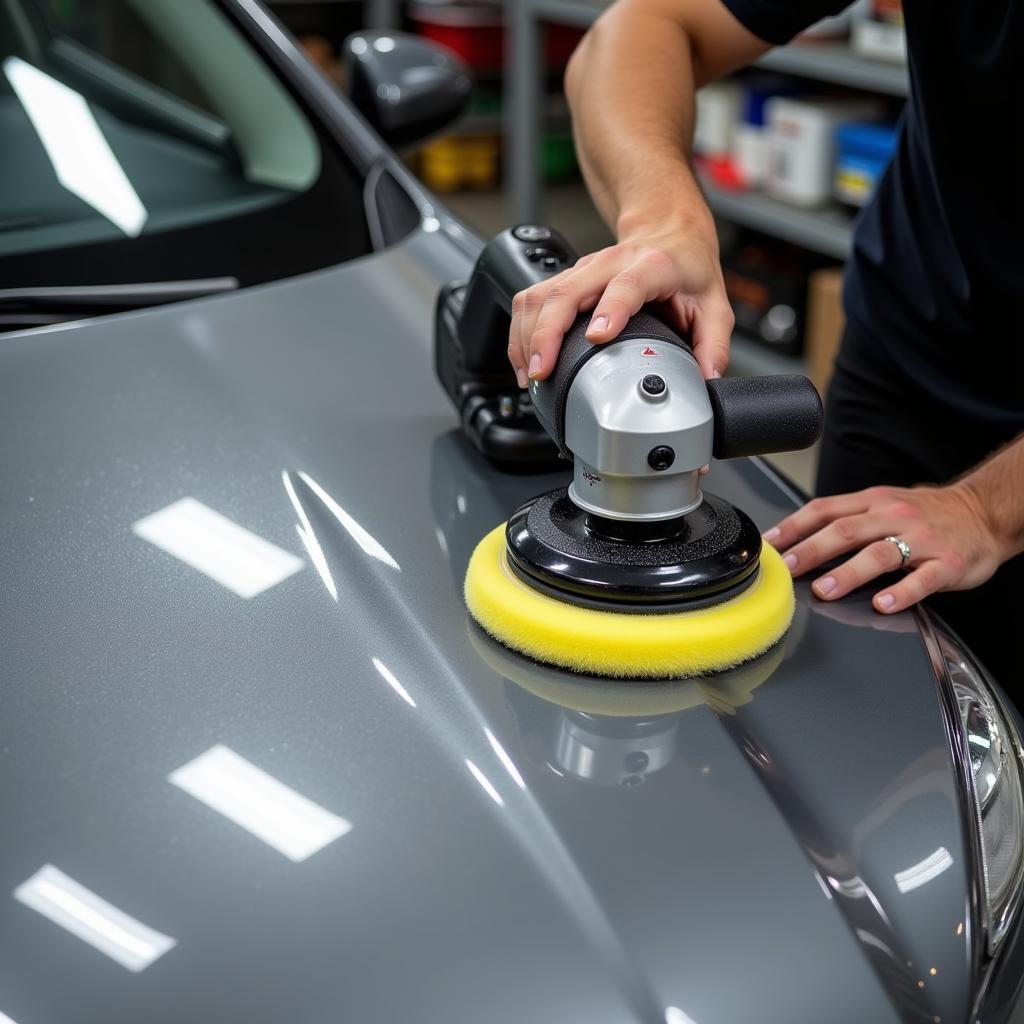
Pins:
x,y
457,162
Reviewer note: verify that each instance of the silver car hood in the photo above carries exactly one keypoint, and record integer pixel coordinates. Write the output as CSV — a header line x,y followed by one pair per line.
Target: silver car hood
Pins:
x,y
780,844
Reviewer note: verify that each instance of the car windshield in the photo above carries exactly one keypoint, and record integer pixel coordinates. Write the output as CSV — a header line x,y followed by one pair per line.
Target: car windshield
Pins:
x,y
147,141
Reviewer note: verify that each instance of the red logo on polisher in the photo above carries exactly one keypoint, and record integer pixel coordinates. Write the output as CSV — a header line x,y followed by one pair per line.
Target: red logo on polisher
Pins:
x,y
648,351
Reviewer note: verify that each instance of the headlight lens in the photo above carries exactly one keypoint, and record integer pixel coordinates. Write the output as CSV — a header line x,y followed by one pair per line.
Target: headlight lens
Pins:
x,y
997,795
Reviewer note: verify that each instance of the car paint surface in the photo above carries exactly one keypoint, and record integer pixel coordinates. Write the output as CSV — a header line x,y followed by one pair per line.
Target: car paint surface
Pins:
x,y
511,857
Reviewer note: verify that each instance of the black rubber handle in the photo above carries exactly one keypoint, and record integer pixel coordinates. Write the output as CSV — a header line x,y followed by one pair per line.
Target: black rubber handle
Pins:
x,y
762,415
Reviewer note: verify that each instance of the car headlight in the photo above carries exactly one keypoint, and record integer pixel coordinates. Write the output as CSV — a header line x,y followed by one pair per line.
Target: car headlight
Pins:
x,y
989,755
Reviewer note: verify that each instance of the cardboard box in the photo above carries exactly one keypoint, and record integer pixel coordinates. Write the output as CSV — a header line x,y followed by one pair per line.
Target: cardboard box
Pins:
x,y
824,326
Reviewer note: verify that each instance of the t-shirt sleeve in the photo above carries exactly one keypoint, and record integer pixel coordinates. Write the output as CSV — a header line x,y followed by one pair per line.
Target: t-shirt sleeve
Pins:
x,y
777,21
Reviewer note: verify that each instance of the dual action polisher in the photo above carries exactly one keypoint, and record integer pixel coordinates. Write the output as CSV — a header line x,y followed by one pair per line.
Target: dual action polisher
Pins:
x,y
632,570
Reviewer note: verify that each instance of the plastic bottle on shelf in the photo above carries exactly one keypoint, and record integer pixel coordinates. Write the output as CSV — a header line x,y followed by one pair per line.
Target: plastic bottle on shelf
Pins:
x,y
801,145
863,151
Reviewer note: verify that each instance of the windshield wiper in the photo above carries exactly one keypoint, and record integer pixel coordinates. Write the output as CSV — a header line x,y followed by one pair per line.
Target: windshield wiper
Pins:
x,y
34,307
113,296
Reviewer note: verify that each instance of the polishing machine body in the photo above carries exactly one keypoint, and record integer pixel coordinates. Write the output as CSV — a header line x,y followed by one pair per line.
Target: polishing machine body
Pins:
x,y
638,422
633,415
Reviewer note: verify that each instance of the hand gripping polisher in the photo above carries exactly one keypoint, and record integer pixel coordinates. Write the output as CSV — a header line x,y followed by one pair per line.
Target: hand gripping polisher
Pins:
x,y
632,570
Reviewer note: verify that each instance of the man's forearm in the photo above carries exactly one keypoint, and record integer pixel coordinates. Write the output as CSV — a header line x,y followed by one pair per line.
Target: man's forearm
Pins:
x,y
631,88
997,487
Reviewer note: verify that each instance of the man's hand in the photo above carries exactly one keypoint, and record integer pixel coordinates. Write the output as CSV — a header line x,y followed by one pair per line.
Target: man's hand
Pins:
x,y
679,269
953,543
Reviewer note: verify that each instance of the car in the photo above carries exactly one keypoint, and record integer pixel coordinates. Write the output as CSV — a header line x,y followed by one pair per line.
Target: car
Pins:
x,y
257,763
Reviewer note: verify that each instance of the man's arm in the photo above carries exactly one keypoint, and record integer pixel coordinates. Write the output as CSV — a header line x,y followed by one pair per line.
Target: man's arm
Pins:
x,y
630,86
958,534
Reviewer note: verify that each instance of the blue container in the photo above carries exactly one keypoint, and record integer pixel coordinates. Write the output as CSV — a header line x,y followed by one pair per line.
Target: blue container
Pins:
x,y
863,151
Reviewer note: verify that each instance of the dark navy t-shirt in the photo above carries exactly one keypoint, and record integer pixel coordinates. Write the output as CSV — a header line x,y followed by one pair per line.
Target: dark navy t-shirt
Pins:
x,y
935,282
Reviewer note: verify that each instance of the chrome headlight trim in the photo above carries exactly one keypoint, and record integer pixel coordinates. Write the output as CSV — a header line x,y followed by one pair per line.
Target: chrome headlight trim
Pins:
x,y
991,781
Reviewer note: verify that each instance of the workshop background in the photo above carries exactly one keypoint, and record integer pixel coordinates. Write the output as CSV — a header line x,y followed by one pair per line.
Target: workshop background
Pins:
x,y
787,151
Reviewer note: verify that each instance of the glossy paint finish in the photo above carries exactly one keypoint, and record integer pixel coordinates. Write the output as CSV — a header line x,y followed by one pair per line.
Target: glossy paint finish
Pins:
x,y
522,845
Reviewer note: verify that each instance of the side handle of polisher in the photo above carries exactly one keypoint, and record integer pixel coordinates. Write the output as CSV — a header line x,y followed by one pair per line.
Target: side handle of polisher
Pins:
x,y
763,415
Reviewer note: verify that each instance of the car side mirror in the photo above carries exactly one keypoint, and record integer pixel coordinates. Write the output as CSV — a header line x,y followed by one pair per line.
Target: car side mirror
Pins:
x,y
406,87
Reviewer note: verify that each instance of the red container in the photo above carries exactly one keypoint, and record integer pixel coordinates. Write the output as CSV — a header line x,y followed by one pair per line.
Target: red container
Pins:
x,y
561,41
477,34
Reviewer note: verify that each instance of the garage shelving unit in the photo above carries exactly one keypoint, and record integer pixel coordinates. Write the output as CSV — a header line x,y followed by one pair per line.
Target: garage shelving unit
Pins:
x,y
826,231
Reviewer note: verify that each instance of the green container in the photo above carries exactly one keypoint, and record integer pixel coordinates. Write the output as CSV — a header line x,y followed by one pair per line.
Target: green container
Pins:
x,y
558,157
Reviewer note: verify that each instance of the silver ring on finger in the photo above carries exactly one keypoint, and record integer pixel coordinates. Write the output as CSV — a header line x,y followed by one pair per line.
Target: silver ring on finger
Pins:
x,y
904,550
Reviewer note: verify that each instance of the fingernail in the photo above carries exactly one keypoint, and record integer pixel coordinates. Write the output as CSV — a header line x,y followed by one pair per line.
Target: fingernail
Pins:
x,y
886,601
715,374
771,535
826,586
598,324
790,561
535,364
521,377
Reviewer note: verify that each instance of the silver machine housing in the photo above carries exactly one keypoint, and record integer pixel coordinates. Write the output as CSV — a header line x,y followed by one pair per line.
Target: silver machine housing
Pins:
x,y
612,424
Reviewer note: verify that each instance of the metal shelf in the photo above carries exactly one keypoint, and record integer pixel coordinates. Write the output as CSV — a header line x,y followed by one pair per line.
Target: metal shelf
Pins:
x,y
836,63
827,230
824,62
580,13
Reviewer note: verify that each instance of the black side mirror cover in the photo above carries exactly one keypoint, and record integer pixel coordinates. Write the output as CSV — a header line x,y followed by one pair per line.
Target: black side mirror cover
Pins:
x,y
408,88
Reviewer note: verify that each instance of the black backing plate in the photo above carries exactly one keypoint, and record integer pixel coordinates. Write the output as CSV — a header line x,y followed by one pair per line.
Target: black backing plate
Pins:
x,y
553,545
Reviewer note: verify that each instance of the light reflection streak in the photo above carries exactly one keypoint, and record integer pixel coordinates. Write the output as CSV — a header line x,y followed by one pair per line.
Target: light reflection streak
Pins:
x,y
485,783
264,806
673,1015
389,677
92,919
442,540
870,939
80,155
824,888
853,888
218,547
504,758
366,541
924,871
308,538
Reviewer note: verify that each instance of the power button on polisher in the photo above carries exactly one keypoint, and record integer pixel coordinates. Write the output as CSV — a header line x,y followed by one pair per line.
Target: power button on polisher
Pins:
x,y
661,458
531,233
653,385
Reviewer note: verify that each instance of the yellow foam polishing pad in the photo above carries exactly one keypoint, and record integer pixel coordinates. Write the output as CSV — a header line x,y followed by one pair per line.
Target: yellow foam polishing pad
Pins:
x,y
628,645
